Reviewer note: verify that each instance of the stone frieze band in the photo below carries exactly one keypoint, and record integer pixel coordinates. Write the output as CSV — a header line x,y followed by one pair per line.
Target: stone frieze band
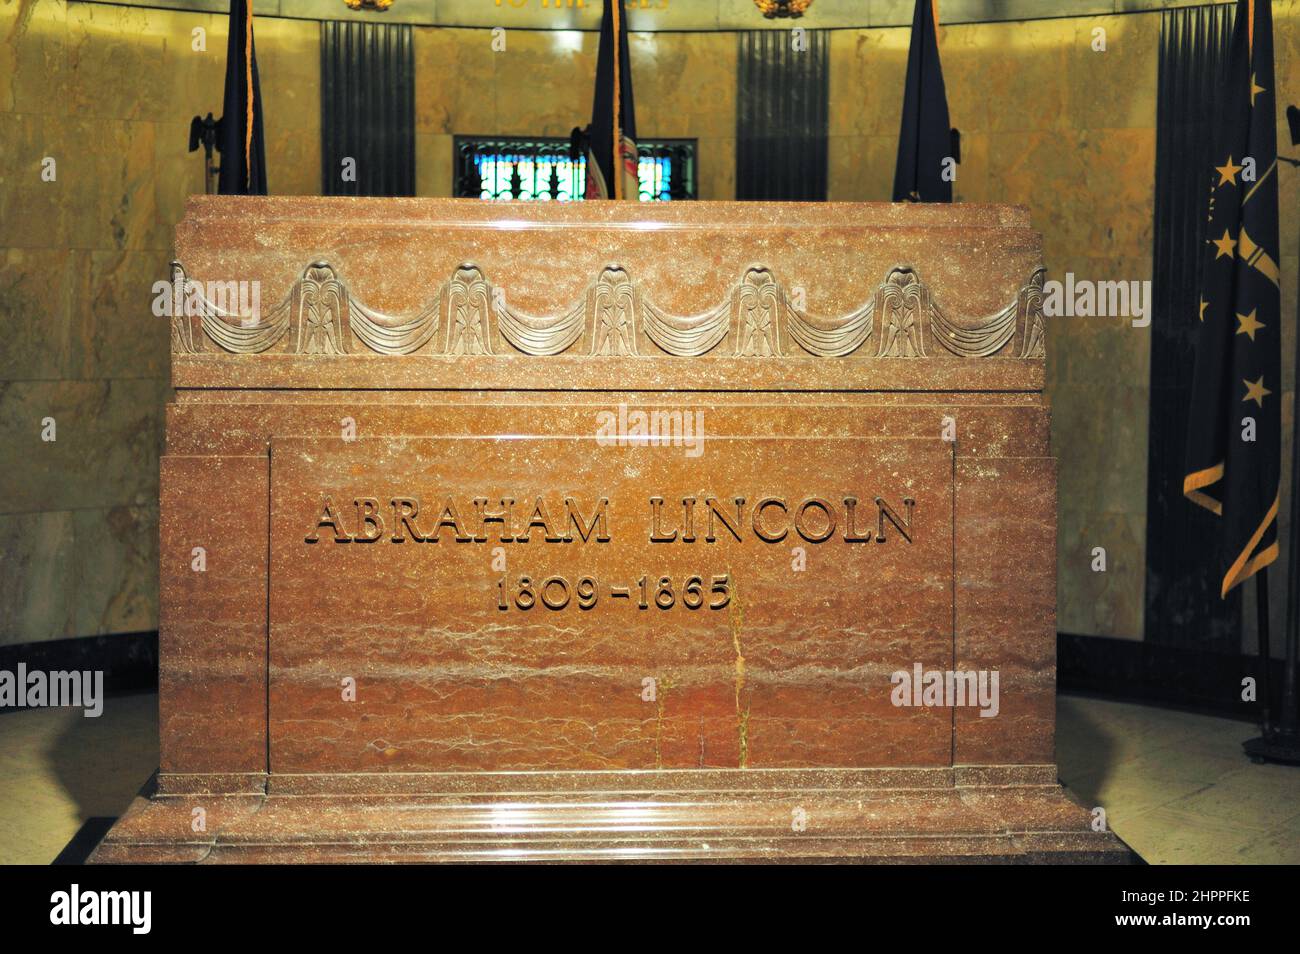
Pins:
x,y
472,316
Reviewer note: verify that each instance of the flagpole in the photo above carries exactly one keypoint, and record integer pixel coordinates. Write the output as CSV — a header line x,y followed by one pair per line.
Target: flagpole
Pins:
x,y
1289,730
1280,744
1262,632
1262,647
1261,577
1262,628
618,132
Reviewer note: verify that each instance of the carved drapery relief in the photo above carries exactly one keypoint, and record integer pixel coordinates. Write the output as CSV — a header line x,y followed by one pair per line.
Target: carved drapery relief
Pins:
x,y
468,297
318,318
615,316
903,303
758,305
389,335
612,303
540,335
193,311
1029,315
185,340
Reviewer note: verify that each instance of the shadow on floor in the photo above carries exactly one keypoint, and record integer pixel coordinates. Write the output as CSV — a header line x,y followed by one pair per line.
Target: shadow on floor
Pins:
x,y
1084,751
84,841
102,763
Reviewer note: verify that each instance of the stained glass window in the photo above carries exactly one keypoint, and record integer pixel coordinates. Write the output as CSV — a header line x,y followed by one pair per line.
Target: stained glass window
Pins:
x,y
542,170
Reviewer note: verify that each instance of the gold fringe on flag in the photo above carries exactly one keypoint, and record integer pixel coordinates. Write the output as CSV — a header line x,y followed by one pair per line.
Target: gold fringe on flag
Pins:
x,y
1193,485
1249,562
248,80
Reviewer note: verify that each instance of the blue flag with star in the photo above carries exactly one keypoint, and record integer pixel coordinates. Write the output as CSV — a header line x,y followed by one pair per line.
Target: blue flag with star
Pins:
x,y
1234,440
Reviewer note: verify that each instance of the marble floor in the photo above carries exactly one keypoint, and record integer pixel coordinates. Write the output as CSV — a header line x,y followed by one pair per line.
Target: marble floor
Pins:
x,y
1174,786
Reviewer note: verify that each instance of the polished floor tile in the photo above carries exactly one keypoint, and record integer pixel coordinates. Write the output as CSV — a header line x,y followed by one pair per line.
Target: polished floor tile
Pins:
x,y
1177,787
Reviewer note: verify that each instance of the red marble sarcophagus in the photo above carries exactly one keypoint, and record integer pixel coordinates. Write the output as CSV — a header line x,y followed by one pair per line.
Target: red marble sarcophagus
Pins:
x,y
605,531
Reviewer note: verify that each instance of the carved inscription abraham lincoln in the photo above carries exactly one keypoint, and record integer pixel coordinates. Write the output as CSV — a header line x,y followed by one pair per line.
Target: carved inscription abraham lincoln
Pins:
x,y
770,519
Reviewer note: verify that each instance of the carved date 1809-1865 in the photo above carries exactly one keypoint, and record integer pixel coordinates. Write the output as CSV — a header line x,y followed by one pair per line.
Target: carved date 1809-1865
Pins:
x,y
556,592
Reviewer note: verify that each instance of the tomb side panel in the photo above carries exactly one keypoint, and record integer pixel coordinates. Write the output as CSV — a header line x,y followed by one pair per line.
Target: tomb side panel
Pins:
x,y
214,528
1006,606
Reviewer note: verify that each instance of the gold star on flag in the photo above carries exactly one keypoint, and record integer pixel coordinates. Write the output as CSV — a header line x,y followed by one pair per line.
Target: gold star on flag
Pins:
x,y
1248,324
1227,172
1225,245
1255,391
1254,88
1204,305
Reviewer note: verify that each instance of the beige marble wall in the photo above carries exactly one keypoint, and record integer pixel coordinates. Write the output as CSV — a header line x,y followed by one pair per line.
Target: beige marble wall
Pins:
x,y
1050,123
107,92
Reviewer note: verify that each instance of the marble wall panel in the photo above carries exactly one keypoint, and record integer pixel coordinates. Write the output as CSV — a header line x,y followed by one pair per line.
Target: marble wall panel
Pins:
x,y
115,562
34,284
36,557
107,93
102,430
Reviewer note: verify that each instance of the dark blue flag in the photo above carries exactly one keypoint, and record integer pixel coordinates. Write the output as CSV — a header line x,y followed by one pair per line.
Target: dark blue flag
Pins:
x,y
612,115
239,139
925,149
1234,438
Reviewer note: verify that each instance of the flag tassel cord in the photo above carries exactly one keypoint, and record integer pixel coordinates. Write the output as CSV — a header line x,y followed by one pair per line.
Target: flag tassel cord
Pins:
x,y
248,83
